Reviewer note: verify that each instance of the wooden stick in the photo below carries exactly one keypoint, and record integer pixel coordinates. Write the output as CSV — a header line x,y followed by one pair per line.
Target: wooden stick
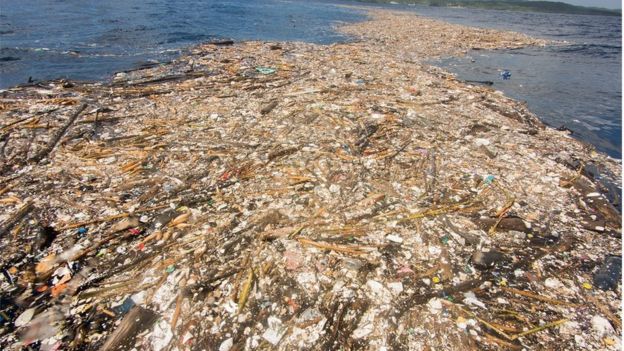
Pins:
x,y
102,120
16,122
338,248
137,320
502,342
537,297
98,220
176,313
110,218
517,315
540,328
506,328
244,295
487,324
16,217
432,212
156,287
500,214
59,134
605,310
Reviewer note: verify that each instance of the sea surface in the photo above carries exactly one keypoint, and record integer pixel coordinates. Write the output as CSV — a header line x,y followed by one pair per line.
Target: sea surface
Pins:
x,y
90,39
576,84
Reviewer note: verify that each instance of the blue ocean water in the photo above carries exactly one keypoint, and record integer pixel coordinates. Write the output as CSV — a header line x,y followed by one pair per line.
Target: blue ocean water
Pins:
x,y
90,39
576,84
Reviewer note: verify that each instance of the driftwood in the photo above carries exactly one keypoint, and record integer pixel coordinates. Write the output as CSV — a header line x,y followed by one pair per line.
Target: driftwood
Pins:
x,y
137,320
16,122
222,42
484,82
16,217
59,134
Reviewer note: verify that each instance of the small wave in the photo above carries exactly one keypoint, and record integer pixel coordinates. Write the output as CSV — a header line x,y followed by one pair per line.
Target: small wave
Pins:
x,y
14,52
184,37
594,50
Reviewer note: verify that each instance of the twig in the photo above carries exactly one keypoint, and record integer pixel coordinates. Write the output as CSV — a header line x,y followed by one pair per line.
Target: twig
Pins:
x,y
338,248
506,328
98,220
502,342
540,328
176,313
500,214
432,212
416,298
16,217
110,289
605,310
156,287
401,149
110,218
137,320
577,175
537,297
244,295
59,134
103,120
16,122
487,324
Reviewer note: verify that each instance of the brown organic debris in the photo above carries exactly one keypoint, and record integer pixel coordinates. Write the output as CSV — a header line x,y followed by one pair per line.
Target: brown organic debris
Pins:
x,y
296,196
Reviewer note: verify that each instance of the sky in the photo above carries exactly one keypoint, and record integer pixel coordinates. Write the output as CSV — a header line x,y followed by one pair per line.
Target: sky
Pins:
x,y
609,4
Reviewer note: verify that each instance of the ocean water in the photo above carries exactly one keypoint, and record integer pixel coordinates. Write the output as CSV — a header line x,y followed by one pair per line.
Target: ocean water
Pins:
x,y
576,84
90,39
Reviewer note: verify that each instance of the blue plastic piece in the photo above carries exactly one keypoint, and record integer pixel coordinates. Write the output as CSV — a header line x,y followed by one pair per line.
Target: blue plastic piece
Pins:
x,y
124,307
505,74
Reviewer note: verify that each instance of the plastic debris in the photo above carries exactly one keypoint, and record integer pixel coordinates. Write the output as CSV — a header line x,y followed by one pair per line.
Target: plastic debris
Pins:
x,y
265,70
471,299
296,196
394,238
275,331
602,325
24,318
125,307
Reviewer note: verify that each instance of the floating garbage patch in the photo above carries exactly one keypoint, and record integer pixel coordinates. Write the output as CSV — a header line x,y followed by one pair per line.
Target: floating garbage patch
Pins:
x,y
295,196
